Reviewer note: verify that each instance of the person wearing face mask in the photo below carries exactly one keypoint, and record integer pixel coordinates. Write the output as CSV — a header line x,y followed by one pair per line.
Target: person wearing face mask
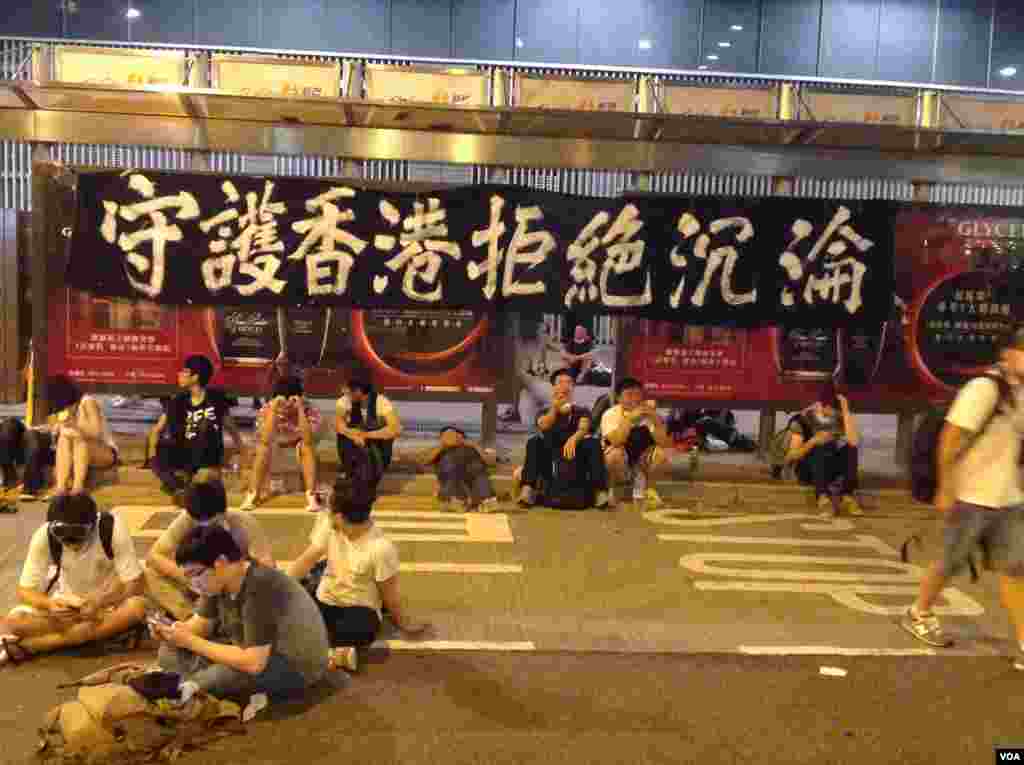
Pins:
x,y
255,629
360,575
95,594
205,504
823,444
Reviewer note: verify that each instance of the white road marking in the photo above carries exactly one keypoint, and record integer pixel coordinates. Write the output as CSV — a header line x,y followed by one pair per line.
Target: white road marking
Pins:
x,y
447,568
814,522
831,650
860,541
700,563
454,645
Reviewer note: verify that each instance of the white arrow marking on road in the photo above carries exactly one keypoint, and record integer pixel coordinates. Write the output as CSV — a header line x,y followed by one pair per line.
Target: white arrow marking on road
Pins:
x,y
816,523
700,563
860,541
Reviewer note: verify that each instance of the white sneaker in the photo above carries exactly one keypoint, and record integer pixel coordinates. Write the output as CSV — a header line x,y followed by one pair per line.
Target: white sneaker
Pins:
x,y
604,500
344,657
257,703
313,502
249,503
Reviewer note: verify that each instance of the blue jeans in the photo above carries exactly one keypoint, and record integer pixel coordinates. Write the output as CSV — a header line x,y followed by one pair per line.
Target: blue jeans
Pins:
x,y
278,678
999,533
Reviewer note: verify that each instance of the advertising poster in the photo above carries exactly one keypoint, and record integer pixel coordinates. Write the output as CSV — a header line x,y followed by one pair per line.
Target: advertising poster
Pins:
x,y
959,284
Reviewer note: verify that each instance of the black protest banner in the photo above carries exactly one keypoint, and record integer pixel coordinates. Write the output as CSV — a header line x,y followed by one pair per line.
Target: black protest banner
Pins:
x,y
209,239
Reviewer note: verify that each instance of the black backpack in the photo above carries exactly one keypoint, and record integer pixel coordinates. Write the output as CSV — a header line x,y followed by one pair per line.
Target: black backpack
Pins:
x,y
604,402
106,527
381,450
923,452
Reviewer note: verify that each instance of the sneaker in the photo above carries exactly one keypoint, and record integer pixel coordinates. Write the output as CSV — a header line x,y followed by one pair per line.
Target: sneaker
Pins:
x,y
526,497
257,703
653,499
926,628
313,502
851,505
451,506
249,503
604,500
489,505
344,657
639,486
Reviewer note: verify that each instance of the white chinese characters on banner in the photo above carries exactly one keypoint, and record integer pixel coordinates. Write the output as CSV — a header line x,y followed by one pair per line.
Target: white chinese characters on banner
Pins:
x,y
157,234
249,239
721,259
424,239
843,276
623,255
526,249
324,235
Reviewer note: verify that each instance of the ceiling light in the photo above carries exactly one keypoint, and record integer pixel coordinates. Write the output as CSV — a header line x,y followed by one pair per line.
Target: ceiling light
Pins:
x,y
725,45
712,57
1008,71
644,44
132,13
736,27
703,66
519,42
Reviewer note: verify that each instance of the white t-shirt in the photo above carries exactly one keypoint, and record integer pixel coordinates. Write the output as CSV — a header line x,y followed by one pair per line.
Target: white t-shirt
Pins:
x,y
611,420
354,568
988,474
82,573
384,408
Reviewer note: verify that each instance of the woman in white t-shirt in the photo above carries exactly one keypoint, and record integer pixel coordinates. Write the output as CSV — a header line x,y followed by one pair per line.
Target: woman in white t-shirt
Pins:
x,y
360,577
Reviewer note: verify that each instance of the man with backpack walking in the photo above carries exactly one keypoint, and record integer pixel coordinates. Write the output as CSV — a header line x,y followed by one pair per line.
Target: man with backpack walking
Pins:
x,y
977,488
95,592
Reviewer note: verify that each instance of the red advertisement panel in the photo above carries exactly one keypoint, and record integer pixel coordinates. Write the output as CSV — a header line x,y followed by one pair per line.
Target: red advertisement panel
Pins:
x,y
958,286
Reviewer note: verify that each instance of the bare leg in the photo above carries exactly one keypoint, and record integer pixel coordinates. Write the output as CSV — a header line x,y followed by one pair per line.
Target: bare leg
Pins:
x,y
86,453
65,463
129,613
931,586
1011,588
615,459
307,456
261,463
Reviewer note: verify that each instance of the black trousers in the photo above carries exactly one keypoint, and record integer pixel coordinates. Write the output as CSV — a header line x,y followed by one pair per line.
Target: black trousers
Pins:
x,y
204,450
350,625
19,445
461,473
828,464
538,470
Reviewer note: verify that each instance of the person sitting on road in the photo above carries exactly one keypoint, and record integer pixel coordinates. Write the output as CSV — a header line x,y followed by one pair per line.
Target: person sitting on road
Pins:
x,y
81,582
192,431
462,477
563,459
205,504
823,445
287,423
578,354
275,642
635,439
359,567
366,419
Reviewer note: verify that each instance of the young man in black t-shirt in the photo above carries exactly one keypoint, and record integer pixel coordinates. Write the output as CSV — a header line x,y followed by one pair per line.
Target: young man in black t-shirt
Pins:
x,y
564,441
191,433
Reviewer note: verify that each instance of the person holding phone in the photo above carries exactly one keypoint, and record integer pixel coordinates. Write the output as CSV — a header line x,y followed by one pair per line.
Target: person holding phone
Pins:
x,y
635,439
288,424
95,592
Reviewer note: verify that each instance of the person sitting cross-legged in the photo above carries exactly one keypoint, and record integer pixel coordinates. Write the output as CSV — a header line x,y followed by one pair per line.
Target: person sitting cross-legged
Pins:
x,y
461,468
359,567
367,421
275,639
563,458
635,439
205,505
287,422
94,592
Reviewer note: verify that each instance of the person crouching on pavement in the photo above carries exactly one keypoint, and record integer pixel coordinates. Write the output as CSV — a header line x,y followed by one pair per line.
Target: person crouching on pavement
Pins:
x,y
360,575
635,439
81,582
275,642
462,477
287,422
206,504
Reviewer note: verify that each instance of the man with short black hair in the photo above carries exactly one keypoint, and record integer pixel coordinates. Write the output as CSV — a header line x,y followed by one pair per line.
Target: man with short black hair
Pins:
x,y
461,469
278,643
205,504
360,576
365,419
192,430
635,439
95,592
563,456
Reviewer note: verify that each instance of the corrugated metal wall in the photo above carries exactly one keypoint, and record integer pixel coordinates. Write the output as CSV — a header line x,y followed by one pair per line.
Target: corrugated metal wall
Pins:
x,y
967,194
15,176
141,157
695,183
853,188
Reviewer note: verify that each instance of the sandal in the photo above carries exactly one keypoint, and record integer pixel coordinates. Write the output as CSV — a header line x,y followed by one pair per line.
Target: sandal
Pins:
x,y
15,654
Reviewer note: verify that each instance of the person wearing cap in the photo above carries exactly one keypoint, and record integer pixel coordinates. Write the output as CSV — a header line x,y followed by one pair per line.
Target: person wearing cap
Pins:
x,y
979,493
205,504
192,430
461,468
287,423
635,439
76,438
94,594
824,445
360,574
255,629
